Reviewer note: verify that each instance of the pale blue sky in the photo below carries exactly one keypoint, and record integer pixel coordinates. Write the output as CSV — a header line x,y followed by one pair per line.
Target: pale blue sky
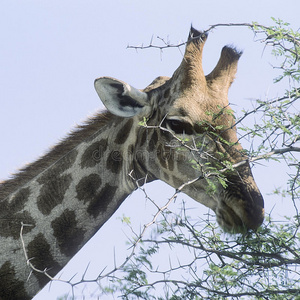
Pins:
x,y
51,52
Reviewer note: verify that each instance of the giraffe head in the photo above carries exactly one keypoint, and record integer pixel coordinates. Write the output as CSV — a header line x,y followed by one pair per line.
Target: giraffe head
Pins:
x,y
190,140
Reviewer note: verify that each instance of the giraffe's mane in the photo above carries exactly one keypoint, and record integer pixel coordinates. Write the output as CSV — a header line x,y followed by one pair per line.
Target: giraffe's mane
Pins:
x,y
74,138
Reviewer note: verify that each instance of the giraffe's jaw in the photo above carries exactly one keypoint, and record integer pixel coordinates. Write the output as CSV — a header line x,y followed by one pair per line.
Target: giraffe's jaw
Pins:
x,y
238,222
237,209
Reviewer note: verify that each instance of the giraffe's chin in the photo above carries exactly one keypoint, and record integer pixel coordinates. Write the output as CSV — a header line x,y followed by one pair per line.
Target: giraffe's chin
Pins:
x,y
235,218
229,220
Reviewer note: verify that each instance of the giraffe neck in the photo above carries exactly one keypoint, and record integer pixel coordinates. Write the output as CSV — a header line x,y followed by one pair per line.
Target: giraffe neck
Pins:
x,y
81,185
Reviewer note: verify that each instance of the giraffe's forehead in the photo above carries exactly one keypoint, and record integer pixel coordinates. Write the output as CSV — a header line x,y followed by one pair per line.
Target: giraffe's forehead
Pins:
x,y
186,109
192,106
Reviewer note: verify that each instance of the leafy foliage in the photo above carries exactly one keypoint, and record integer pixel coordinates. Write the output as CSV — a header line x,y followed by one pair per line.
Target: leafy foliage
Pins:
x,y
260,265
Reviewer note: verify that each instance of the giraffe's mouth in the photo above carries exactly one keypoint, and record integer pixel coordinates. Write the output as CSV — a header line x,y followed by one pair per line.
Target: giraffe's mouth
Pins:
x,y
240,214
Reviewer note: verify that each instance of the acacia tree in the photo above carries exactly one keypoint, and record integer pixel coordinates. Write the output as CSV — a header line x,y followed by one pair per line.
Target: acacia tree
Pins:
x,y
210,264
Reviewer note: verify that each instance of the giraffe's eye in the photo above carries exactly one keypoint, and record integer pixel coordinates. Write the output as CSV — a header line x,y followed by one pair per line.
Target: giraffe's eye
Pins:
x,y
179,127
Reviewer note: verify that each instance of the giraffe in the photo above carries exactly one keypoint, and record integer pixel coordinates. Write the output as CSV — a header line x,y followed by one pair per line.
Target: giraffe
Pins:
x,y
53,206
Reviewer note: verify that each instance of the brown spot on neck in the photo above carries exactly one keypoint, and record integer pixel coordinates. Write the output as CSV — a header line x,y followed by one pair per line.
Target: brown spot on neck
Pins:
x,y
114,162
10,224
124,132
12,214
102,200
88,187
40,256
93,154
53,192
69,237
10,286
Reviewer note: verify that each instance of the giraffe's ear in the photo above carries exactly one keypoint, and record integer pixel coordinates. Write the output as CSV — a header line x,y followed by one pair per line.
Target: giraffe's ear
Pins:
x,y
120,98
